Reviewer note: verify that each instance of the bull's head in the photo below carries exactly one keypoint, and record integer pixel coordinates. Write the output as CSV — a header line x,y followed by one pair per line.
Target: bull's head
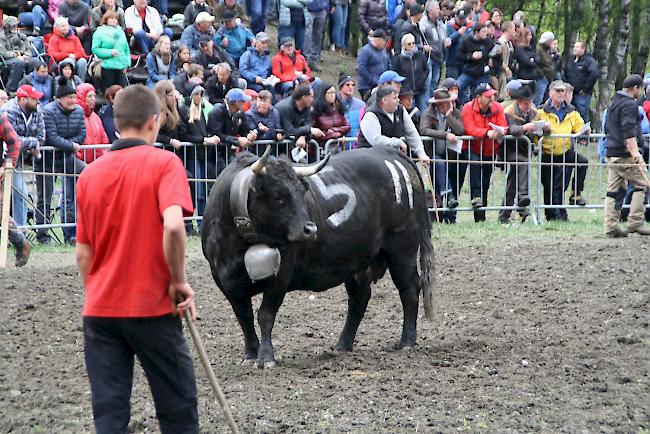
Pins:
x,y
268,201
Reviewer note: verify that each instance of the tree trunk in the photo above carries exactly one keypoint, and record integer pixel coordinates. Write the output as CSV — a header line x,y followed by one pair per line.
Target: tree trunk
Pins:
x,y
600,52
572,25
616,55
635,32
542,11
640,56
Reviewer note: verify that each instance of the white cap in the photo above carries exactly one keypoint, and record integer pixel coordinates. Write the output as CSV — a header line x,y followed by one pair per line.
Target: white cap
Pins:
x,y
546,37
203,17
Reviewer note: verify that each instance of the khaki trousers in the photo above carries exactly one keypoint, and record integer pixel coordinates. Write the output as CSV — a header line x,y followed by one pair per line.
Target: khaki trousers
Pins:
x,y
620,172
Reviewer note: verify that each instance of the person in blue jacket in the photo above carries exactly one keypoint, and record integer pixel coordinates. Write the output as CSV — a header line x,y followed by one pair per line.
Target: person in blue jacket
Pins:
x,y
458,29
255,63
233,37
352,106
372,61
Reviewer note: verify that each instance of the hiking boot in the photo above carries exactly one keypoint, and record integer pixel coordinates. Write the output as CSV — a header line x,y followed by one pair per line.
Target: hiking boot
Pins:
x,y
616,233
577,200
524,201
641,230
22,254
452,204
504,220
477,202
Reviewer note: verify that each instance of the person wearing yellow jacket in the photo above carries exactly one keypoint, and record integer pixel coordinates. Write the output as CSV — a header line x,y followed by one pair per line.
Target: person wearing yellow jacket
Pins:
x,y
563,119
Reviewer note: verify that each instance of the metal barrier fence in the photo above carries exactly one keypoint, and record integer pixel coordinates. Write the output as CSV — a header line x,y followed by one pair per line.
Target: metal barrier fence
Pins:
x,y
521,178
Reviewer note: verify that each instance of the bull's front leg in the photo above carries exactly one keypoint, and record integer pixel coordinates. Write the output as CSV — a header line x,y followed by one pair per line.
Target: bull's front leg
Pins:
x,y
271,303
243,309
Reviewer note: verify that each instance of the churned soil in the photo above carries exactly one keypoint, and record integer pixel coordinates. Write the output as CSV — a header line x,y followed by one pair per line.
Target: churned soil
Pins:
x,y
544,336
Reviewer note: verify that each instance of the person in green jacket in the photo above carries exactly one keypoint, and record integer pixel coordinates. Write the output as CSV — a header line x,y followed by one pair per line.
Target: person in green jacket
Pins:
x,y
111,47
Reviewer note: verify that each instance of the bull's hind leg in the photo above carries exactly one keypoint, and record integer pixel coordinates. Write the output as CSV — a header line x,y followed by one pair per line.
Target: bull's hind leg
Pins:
x,y
403,270
243,309
266,318
358,288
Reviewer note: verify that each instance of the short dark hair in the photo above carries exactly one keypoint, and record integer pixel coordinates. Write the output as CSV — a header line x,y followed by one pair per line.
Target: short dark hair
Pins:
x,y
384,91
301,90
193,69
134,106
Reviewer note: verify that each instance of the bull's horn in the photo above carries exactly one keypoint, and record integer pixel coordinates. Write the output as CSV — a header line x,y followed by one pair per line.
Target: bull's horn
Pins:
x,y
259,167
303,171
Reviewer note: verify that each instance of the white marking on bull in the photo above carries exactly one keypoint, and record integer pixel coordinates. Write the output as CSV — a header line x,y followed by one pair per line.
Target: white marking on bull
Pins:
x,y
329,191
409,186
396,182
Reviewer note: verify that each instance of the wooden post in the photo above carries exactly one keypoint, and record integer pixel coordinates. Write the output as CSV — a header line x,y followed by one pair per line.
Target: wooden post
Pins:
x,y
6,204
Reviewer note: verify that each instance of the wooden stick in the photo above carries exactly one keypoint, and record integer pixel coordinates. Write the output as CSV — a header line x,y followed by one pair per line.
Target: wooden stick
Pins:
x,y
6,204
211,376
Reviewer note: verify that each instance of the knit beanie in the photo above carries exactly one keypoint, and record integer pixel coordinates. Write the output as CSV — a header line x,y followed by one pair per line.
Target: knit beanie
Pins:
x,y
66,87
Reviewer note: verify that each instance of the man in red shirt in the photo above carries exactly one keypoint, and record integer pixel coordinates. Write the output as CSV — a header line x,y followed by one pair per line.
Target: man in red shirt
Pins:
x,y
482,118
130,254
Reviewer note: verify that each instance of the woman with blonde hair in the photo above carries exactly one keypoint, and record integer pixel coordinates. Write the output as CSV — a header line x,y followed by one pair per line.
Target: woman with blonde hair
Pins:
x,y
170,118
161,62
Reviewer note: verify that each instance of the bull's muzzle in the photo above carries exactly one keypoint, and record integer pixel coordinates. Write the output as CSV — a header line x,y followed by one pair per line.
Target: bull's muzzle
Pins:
x,y
307,232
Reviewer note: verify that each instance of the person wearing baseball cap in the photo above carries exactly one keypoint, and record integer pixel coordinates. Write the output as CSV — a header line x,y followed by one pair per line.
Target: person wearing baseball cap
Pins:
x,y
458,28
564,120
193,9
227,120
372,60
233,37
255,63
484,119
289,66
544,65
202,27
27,121
625,164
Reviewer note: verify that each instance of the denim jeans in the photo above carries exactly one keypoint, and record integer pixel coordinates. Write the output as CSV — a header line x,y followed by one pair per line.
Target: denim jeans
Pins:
x,y
316,36
144,43
36,18
441,177
18,68
296,31
540,89
162,6
582,103
339,21
467,84
453,71
257,10
18,201
434,78
422,101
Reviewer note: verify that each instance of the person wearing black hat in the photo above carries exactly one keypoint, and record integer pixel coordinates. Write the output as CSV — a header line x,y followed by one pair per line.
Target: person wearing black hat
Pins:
x,y
624,160
523,120
233,37
372,61
65,130
475,53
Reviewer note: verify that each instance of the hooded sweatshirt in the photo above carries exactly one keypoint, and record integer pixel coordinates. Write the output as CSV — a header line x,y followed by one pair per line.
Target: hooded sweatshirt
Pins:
x,y
95,134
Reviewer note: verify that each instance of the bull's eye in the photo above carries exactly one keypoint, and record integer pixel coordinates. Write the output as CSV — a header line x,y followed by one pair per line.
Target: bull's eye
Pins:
x,y
277,199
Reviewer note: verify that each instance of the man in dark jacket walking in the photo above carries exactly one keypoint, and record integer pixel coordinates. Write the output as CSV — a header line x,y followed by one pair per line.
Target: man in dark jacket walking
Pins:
x,y
581,72
65,130
372,61
624,161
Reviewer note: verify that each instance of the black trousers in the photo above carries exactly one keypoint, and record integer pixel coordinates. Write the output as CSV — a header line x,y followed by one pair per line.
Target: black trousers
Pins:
x,y
111,77
557,178
110,345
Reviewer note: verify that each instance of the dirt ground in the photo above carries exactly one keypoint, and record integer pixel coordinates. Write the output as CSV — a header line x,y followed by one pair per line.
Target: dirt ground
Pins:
x,y
549,336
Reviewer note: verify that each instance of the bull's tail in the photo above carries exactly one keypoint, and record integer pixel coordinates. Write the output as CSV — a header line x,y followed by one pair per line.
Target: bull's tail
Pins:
x,y
427,268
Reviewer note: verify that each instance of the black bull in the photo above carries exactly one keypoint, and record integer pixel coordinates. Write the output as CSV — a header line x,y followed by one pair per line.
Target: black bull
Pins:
x,y
369,209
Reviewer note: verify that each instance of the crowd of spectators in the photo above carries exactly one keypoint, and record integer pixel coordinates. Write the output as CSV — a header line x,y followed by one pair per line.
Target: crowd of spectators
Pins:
x,y
455,68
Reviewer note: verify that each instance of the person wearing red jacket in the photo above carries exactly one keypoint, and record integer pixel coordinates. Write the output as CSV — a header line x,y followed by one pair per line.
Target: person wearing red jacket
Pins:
x,y
10,150
95,133
289,66
480,116
65,44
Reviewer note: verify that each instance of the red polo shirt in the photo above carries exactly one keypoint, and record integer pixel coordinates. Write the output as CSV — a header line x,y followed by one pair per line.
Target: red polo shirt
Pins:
x,y
120,202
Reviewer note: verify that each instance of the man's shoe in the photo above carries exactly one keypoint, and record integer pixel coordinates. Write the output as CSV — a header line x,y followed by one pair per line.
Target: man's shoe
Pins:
x,y
22,254
577,200
504,220
524,201
477,202
616,233
641,230
452,204
71,241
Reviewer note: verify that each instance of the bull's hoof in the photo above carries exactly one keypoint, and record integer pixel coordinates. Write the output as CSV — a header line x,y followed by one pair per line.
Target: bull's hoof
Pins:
x,y
265,365
405,345
343,348
248,362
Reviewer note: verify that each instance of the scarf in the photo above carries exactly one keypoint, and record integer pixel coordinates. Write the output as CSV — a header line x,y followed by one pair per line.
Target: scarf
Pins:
x,y
408,54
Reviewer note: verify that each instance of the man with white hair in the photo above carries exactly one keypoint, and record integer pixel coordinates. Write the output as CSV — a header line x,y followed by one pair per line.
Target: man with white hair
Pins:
x,y
545,65
64,44
435,36
192,34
